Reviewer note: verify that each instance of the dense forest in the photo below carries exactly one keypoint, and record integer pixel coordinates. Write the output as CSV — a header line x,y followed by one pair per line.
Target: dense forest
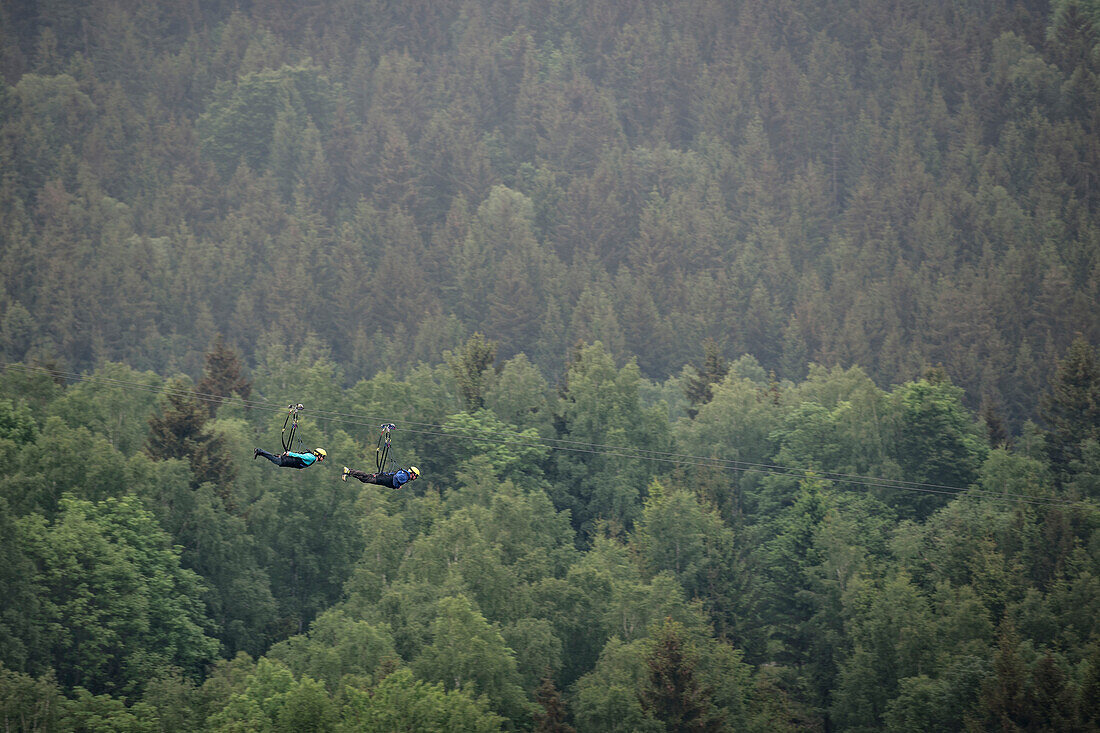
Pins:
x,y
748,351
888,185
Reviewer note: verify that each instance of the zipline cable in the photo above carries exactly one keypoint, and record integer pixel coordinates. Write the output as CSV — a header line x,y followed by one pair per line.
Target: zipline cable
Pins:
x,y
679,459
675,459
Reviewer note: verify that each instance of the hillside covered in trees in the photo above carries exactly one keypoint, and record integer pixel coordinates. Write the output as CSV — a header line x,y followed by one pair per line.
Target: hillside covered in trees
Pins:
x,y
888,185
795,556
748,350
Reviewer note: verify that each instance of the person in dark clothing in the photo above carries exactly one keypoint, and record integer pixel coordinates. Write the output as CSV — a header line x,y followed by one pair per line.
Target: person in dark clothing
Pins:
x,y
394,480
291,459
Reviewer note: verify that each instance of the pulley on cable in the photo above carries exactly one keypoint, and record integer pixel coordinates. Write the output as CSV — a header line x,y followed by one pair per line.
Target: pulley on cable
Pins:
x,y
382,448
291,422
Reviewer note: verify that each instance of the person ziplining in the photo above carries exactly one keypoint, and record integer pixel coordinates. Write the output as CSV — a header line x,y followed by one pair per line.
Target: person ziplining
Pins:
x,y
394,479
292,458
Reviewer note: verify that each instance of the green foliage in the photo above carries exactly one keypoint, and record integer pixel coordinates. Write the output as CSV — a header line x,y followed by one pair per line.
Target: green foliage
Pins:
x,y
247,121
216,544
608,697
937,442
62,459
273,699
551,176
538,650
677,534
223,374
1019,695
601,405
176,701
466,653
180,431
736,425
919,706
698,387
16,423
402,702
519,395
59,110
476,583
104,714
20,604
386,541
840,425
29,704
1072,31
336,646
456,552
33,387
18,328
117,607
673,694
1072,407
834,193
511,453
471,369
114,402
677,675
307,528
287,378
892,640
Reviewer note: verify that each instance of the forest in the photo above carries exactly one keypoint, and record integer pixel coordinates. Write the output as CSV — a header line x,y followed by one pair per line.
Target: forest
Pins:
x,y
748,351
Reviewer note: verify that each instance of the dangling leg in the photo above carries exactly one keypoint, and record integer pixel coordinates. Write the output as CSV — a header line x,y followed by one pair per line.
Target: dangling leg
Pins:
x,y
277,460
367,478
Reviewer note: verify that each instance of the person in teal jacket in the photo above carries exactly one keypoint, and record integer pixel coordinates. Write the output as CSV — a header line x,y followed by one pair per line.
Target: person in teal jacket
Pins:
x,y
394,480
291,459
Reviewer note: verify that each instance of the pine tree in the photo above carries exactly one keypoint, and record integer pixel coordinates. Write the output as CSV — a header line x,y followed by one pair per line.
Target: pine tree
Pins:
x,y
469,364
674,694
552,719
223,375
795,353
995,424
1088,693
1050,700
1073,35
1071,409
715,368
1003,703
513,304
179,431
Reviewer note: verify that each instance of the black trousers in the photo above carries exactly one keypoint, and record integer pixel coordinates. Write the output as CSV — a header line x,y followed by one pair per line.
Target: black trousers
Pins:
x,y
382,479
286,461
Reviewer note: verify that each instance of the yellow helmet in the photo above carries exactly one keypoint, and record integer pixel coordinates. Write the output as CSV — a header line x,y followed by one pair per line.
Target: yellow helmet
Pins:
x,y
414,471
321,452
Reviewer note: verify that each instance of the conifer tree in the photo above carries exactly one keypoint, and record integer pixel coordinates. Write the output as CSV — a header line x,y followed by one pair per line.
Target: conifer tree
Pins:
x,y
552,719
995,424
1051,704
179,431
1003,704
1071,409
469,364
1073,34
674,694
224,374
1088,693
715,368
